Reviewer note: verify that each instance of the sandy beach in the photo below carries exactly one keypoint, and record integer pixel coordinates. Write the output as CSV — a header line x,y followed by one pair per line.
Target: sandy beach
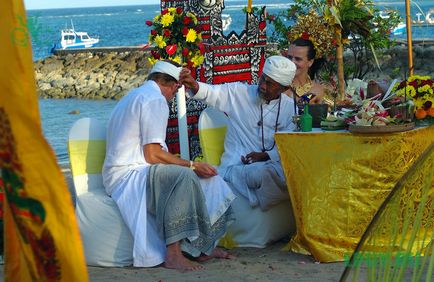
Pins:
x,y
251,264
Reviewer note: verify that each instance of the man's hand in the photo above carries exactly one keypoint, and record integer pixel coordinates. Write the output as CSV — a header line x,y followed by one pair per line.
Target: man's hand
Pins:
x,y
204,170
188,81
255,157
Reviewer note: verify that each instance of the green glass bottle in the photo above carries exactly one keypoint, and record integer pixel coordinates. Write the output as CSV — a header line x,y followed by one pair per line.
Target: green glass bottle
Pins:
x,y
306,120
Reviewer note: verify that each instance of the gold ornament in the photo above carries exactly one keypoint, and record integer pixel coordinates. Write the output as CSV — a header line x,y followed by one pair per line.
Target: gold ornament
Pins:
x,y
312,27
303,89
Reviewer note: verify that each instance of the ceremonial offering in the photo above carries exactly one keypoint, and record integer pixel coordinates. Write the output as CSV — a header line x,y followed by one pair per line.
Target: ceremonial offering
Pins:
x,y
381,129
333,122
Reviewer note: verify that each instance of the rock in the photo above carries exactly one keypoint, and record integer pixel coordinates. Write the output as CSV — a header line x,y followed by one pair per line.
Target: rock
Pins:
x,y
74,112
110,75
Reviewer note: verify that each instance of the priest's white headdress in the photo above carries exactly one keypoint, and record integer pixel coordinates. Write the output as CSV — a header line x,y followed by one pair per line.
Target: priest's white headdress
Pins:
x,y
280,69
167,68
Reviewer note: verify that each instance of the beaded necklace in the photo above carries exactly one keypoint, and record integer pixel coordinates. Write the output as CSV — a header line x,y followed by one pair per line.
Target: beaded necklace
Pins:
x,y
261,122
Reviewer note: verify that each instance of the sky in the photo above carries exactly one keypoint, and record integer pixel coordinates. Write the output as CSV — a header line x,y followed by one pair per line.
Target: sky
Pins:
x,y
52,4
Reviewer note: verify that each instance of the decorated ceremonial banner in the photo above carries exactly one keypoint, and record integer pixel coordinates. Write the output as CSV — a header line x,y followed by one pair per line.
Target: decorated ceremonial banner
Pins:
x,y
41,236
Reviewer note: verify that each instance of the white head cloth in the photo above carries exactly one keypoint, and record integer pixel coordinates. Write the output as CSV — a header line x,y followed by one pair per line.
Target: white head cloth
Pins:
x,y
280,69
167,68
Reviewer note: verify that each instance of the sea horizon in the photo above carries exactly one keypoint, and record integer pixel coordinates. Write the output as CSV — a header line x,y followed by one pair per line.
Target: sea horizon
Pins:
x,y
383,2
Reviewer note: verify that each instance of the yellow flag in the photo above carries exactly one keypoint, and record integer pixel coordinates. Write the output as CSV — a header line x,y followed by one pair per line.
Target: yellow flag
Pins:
x,y
42,240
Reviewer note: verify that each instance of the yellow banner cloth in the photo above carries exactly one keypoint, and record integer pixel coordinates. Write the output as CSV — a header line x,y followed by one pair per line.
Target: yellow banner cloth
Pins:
x,y
42,240
337,181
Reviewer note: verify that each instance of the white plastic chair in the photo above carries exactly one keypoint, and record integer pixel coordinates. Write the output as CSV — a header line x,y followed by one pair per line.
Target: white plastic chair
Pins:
x,y
107,240
252,227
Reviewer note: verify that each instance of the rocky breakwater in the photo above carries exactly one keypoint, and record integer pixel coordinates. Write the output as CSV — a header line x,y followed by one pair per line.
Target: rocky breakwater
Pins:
x,y
103,75
111,73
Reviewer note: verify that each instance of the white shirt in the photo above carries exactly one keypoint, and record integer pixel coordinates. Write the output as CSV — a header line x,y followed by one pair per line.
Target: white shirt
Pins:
x,y
128,130
242,104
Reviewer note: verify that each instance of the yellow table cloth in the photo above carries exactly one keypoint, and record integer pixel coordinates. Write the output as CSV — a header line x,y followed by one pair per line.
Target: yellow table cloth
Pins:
x,y
337,181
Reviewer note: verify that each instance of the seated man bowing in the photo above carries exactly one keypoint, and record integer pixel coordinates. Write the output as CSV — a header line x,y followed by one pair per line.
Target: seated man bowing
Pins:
x,y
169,204
250,162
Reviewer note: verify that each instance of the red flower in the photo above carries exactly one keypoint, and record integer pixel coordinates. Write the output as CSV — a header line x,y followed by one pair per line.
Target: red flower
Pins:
x,y
155,54
179,10
153,32
185,52
186,20
305,35
201,48
334,42
271,18
165,11
171,49
189,64
184,31
148,23
166,33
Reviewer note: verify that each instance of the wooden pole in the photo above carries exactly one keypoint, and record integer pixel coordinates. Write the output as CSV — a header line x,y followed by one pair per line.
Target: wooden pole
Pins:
x,y
249,6
409,37
340,60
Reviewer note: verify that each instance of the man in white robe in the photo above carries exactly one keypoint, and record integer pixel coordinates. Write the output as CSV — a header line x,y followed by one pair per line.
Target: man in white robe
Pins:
x,y
250,162
169,204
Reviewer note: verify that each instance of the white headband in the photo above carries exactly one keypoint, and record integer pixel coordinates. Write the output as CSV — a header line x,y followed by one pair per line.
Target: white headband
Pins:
x,y
167,68
280,69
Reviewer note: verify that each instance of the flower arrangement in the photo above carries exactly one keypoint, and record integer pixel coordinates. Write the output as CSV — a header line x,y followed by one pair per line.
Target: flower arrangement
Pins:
x,y
420,89
176,36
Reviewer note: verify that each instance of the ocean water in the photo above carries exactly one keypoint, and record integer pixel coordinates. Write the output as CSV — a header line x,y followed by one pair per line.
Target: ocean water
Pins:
x,y
125,26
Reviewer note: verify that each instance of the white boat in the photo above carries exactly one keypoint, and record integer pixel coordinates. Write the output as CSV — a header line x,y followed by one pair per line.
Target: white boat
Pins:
x,y
226,21
399,29
71,39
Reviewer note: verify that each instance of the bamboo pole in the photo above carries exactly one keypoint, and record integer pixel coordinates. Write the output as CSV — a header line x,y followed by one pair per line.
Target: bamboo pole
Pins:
x,y
340,61
409,37
249,6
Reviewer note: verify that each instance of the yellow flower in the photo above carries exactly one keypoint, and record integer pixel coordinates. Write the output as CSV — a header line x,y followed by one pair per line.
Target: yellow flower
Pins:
x,y
159,40
176,59
423,89
411,91
191,35
157,18
197,60
167,20
152,60
193,17
172,10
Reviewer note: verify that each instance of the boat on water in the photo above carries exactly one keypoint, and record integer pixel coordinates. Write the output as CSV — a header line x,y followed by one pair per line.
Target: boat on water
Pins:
x,y
226,21
71,39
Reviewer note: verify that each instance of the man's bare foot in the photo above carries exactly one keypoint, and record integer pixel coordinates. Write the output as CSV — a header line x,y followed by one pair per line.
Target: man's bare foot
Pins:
x,y
216,253
181,263
176,260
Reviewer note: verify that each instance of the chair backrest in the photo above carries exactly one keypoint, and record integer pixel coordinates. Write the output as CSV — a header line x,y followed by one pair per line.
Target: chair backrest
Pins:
x,y
212,132
86,149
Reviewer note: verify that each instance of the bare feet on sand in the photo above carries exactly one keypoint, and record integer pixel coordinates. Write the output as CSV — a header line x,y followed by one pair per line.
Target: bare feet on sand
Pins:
x,y
216,253
176,260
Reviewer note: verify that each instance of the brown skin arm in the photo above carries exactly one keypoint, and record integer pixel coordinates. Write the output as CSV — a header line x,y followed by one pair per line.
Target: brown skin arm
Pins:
x,y
188,81
154,154
254,157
